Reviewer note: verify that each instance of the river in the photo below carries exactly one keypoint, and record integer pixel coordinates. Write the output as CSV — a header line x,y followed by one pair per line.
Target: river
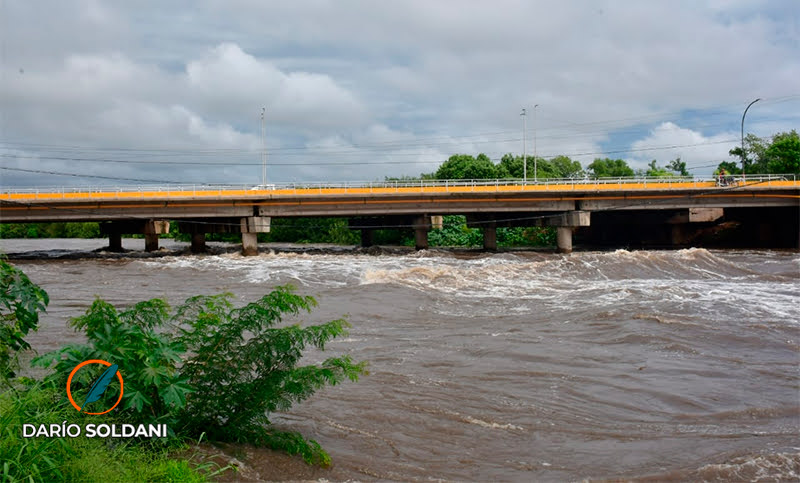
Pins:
x,y
516,366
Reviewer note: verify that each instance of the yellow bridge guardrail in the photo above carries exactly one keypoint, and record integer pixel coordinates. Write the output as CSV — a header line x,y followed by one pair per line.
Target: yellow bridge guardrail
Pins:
x,y
392,187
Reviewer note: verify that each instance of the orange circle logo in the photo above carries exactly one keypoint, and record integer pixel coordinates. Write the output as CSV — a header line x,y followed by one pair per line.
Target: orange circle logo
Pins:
x,y
98,388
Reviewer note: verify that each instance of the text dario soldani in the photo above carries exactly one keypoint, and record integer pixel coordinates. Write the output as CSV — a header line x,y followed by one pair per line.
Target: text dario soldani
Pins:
x,y
96,391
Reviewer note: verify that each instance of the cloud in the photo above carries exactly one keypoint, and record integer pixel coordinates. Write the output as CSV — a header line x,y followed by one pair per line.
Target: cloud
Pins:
x,y
669,141
232,83
375,82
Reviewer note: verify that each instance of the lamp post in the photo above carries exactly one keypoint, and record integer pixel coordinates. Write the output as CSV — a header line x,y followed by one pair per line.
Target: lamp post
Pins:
x,y
535,166
263,150
744,175
524,115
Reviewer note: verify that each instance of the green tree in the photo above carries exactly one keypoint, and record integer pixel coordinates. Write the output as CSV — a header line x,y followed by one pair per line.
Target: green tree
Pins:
x,y
558,167
678,166
783,154
544,169
455,232
311,230
656,171
610,168
730,167
20,303
564,167
512,165
464,166
754,150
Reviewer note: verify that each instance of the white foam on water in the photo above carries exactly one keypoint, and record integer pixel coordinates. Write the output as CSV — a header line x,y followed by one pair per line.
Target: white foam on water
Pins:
x,y
691,276
765,467
470,419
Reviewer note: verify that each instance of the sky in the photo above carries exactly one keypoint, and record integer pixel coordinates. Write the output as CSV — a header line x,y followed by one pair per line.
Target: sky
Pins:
x,y
118,92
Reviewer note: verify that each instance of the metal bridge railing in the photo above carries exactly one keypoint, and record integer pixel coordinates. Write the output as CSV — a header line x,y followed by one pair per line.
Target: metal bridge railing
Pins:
x,y
398,186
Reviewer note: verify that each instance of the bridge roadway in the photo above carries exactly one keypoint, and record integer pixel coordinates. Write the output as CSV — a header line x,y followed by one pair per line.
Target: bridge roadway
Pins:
x,y
563,203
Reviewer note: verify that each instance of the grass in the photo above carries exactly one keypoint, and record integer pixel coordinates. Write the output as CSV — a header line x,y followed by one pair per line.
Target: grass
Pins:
x,y
81,459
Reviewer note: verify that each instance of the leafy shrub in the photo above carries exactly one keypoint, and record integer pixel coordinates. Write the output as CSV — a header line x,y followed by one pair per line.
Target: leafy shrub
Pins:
x,y
26,401
208,367
455,232
526,236
147,359
20,303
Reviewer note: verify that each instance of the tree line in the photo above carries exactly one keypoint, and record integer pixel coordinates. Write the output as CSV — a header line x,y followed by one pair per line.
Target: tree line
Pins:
x,y
780,155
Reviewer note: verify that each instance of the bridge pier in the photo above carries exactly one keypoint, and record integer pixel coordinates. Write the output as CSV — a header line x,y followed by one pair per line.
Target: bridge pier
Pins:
x,y
150,242
490,236
251,227
115,242
564,239
150,228
422,225
367,237
198,243
249,244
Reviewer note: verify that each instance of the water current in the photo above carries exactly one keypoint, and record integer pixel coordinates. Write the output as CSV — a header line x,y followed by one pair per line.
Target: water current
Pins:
x,y
516,366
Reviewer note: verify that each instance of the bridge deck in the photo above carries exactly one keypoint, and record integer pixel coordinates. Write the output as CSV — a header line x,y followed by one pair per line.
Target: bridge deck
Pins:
x,y
432,188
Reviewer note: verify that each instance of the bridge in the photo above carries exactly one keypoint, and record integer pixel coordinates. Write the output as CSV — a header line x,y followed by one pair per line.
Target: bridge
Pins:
x,y
668,211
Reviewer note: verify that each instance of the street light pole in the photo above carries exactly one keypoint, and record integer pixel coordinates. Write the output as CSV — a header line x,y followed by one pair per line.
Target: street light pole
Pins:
x,y
263,150
524,115
535,166
744,175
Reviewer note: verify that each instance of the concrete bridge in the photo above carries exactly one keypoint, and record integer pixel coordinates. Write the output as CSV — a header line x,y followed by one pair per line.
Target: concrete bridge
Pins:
x,y
660,211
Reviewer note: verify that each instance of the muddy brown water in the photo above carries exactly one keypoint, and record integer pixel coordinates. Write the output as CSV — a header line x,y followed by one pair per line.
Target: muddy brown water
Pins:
x,y
516,366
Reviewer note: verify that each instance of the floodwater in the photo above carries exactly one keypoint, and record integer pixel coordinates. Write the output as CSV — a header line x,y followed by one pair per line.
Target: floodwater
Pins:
x,y
516,366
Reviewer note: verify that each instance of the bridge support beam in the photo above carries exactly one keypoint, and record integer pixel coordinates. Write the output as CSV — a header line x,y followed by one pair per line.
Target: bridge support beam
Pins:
x,y
251,227
367,237
490,236
198,243
150,242
152,229
564,239
115,242
422,225
249,244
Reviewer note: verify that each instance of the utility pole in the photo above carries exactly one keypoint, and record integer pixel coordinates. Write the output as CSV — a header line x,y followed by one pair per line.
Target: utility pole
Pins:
x,y
524,114
263,150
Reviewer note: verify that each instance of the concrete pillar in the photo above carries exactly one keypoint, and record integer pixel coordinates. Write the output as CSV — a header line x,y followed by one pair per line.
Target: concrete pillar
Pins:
x,y
198,242
437,222
490,237
564,239
420,238
679,235
115,242
367,237
152,229
249,244
422,225
150,242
